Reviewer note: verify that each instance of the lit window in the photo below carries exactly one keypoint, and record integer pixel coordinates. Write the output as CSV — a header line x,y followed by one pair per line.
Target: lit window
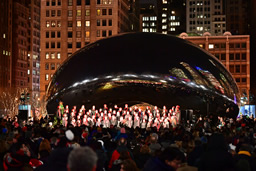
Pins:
x,y
98,12
164,9
58,24
172,17
164,20
47,56
53,55
58,55
87,23
28,72
87,12
164,15
145,18
152,30
211,46
78,23
46,77
145,30
3,52
173,12
164,1
53,23
47,23
164,32
78,13
199,28
172,29
4,36
164,26
152,18
152,24
87,34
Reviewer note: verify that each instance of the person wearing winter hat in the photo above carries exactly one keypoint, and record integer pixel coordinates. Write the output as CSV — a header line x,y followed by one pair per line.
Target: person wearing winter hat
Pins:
x,y
69,135
244,159
120,148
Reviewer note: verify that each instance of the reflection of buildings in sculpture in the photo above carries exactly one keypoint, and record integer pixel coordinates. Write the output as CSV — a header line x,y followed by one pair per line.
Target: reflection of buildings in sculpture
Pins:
x,y
169,76
232,50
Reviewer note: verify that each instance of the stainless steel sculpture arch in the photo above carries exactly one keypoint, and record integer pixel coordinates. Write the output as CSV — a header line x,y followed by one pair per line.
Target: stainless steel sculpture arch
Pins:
x,y
144,68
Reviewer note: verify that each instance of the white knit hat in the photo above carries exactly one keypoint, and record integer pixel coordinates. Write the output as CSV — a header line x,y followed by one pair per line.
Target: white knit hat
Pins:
x,y
70,135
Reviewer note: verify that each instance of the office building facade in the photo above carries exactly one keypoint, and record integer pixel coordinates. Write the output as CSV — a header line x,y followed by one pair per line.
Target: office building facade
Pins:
x,y
205,16
69,25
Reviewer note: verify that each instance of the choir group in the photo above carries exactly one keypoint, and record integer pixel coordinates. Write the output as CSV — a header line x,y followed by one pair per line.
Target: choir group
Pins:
x,y
131,117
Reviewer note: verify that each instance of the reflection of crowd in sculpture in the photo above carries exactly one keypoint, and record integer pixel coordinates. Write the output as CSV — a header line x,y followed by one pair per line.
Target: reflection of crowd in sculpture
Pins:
x,y
127,116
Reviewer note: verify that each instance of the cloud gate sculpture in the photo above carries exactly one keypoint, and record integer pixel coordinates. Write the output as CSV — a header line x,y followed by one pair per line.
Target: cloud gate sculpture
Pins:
x,y
150,68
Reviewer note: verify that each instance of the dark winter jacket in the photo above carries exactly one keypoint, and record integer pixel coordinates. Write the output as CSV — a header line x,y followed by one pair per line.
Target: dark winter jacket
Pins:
x,y
155,164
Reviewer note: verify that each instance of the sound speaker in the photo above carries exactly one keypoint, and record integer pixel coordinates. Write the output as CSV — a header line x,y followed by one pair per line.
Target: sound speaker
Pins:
x,y
23,115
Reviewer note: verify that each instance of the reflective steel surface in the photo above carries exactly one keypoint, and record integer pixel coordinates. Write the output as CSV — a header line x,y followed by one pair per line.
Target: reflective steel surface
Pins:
x,y
144,67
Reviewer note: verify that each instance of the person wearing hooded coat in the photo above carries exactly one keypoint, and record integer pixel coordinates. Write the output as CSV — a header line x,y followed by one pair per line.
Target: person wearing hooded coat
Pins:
x,y
169,160
216,156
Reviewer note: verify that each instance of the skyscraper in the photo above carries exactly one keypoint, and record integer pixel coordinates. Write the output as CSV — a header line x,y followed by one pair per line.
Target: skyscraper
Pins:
x,y
20,46
5,43
171,16
205,16
238,16
148,18
69,25
34,48
20,43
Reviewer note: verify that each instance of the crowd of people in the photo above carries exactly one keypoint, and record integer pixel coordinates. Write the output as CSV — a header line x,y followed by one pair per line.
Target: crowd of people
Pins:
x,y
210,143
